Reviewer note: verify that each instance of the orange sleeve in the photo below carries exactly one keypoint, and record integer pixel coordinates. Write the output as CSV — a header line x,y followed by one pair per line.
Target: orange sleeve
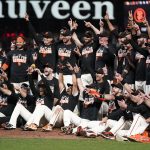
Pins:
x,y
5,66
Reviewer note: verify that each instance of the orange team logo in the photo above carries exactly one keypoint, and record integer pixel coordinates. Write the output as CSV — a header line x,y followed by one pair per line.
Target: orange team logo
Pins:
x,y
139,15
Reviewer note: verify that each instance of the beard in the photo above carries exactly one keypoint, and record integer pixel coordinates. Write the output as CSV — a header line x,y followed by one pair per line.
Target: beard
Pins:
x,y
46,73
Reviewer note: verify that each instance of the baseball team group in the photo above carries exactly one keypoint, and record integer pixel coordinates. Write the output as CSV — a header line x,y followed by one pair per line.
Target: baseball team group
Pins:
x,y
92,84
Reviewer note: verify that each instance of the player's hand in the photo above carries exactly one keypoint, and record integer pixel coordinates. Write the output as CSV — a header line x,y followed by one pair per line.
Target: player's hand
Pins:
x,y
69,66
130,15
76,69
38,71
101,23
88,24
122,104
106,17
26,17
77,51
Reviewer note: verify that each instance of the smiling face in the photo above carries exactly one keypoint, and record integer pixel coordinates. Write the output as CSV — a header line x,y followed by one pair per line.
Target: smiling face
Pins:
x,y
87,40
103,40
115,90
69,90
99,77
48,71
20,42
66,39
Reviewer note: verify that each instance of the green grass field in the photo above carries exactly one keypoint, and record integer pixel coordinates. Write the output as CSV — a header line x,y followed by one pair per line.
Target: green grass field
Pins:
x,y
58,144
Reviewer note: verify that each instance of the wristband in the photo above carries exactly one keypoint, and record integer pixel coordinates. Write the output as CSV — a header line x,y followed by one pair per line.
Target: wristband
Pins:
x,y
102,96
78,75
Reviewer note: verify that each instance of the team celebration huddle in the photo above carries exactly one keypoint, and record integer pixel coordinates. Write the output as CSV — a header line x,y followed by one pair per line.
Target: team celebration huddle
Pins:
x,y
97,84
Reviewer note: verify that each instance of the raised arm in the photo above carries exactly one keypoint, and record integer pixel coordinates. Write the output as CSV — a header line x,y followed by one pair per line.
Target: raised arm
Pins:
x,y
110,25
32,30
61,80
73,26
90,25
78,76
74,80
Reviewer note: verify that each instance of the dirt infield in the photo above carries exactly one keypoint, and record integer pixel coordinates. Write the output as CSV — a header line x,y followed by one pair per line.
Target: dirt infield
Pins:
x,y
18,133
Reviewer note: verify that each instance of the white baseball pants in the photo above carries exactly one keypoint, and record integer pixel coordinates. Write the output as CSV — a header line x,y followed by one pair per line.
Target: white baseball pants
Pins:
x,y
19,110
57,116
39,112
138,126
71,118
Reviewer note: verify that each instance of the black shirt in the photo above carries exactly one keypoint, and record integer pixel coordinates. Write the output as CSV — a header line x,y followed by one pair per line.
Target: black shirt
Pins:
x,y
148,70
54,86
91,111
66,54
68,101
18,61
140,109
46,99
105,56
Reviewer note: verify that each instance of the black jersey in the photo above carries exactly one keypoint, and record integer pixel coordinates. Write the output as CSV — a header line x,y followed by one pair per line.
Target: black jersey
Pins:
x,y
18,61
66,54
68,101
91,111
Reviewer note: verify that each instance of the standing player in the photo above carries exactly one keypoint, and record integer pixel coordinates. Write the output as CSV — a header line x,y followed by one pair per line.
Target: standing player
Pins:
x,y
18,61
46,52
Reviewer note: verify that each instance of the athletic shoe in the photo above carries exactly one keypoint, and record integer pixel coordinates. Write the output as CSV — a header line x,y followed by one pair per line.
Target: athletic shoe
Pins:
x,y
121,138
32,127
25,127
80,131
142,138
108,135
4,124
9,127
68,129
47,128
90,134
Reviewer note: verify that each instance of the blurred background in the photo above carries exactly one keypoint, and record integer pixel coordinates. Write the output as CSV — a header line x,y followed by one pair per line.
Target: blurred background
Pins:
x,y
51,15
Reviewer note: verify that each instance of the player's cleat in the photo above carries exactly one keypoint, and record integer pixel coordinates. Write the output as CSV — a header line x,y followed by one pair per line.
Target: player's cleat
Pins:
x,y
142,138
90,134
68,129
108,135
9,127
80,131
47,128
121,138
25,127
4,124
32,127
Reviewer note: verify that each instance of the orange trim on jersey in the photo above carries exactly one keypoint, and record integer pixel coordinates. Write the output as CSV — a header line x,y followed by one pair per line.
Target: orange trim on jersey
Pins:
x,y
5,66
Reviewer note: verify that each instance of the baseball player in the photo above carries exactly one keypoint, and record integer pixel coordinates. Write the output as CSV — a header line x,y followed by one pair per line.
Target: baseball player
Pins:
x,y
44,101
18,60
24,107
68,100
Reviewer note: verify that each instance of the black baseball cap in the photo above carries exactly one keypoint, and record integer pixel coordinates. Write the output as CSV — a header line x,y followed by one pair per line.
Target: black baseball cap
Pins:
x,y
104,34
118,85
48,35
143,35
67,33
88,34
68,84
63,30
48,66
136,92
25,86
100,71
